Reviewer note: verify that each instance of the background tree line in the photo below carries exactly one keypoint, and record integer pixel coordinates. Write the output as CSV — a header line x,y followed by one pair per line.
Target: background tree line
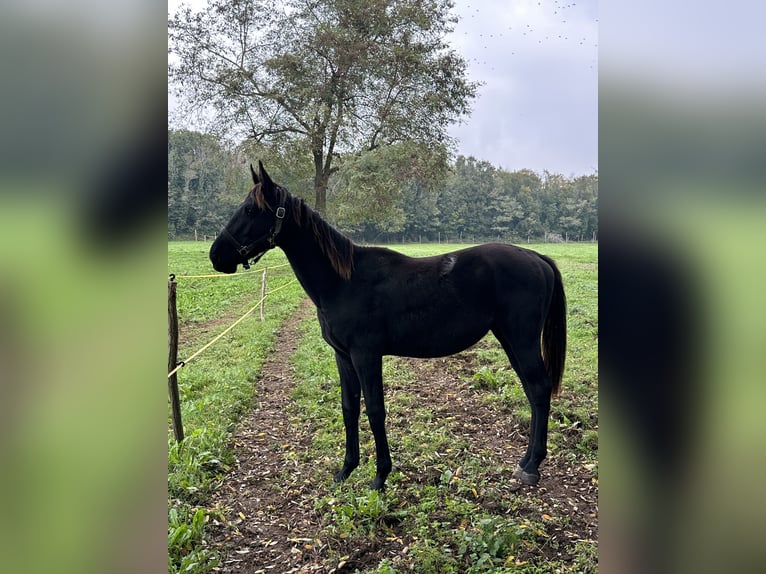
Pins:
x,y
403,192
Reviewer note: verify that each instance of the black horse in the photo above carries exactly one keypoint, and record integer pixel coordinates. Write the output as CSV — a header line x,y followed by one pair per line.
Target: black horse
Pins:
x,y
373,301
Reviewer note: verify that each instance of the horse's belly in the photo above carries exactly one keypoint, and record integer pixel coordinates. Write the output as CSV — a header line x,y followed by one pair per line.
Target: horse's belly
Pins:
x,y
437,339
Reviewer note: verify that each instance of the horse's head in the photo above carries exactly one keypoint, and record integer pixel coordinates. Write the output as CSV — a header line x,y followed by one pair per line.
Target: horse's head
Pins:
x,y
254,226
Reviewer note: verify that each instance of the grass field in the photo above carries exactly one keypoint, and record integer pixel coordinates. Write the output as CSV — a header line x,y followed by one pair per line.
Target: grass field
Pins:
x,y
456,427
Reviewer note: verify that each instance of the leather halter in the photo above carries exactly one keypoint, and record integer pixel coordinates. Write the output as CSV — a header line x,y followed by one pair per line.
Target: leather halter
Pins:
x,y
246,251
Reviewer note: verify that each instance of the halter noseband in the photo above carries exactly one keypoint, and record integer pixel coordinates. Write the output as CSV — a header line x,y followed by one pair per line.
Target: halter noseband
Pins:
x,y
245,251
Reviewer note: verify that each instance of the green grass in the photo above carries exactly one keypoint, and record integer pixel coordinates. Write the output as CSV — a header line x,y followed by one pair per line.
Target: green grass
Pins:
x,y
444,502
216,388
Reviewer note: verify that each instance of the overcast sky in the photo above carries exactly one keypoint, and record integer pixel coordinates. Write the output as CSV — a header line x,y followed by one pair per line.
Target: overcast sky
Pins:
x,y
537,60
538,107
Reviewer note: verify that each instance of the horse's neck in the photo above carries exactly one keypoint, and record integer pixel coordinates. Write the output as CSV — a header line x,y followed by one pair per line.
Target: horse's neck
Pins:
x,y
312,267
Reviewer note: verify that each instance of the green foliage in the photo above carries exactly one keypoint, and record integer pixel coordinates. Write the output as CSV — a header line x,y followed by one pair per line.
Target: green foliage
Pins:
x,y
186,551
287,161
205,182
389,189
489,543
487,378
360,515
482,203
196,465
365,197
385,567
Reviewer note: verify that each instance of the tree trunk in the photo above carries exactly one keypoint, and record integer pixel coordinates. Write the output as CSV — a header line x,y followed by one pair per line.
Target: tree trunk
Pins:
x,y
320,194
320,184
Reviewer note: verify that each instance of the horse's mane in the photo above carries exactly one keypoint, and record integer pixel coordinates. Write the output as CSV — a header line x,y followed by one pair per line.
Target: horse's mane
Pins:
x,y
338,248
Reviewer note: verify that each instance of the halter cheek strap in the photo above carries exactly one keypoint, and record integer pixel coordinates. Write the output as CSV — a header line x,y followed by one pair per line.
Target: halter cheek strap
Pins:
x,y
245,251
280,213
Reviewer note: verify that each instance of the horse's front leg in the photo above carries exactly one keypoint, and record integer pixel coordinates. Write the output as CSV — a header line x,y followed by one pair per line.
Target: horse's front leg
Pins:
x,y
369,370
350,399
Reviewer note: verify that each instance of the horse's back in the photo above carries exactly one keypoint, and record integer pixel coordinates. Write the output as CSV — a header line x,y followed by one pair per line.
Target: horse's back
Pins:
x,y
476,276
439,305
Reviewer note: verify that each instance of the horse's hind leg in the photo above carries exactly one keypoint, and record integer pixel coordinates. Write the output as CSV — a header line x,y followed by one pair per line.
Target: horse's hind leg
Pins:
x,y
526,359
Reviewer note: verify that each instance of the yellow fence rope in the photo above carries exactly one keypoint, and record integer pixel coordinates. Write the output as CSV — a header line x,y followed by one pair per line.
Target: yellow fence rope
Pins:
x,y
230,327
230,274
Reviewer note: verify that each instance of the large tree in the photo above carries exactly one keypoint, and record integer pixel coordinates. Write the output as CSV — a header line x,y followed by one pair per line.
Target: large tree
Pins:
x,y
338,75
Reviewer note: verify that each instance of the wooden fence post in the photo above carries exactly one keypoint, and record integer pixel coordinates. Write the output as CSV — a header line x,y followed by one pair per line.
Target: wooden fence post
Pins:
x,y
175,402
263,292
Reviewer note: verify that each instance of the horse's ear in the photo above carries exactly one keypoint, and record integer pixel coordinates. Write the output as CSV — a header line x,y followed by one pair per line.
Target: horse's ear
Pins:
x,y
256,181
265,179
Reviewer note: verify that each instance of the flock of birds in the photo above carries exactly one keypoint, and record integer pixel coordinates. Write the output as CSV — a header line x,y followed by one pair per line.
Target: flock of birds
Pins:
x,y
522,36
536,61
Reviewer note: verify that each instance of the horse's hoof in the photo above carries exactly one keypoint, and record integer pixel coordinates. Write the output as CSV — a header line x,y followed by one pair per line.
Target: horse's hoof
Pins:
x,y
342,475
527,478
379,483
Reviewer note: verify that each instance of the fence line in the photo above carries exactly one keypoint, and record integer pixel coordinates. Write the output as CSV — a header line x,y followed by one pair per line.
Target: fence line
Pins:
x,y
231,274
230,327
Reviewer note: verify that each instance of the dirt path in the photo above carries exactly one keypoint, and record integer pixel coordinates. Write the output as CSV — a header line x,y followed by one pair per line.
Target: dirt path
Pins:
x,y
258,500
267,521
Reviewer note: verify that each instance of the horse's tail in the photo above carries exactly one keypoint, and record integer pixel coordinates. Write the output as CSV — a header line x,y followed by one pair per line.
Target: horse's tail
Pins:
x,y
554,337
